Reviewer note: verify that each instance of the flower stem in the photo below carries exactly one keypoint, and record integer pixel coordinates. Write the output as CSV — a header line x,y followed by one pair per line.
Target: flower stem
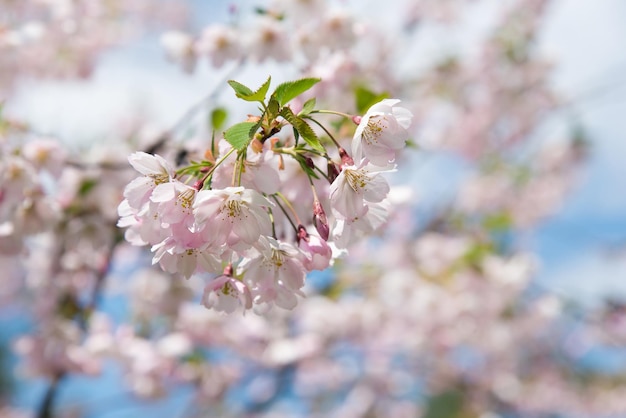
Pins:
x,y
332,112
325,130
286,214
288,203
217,163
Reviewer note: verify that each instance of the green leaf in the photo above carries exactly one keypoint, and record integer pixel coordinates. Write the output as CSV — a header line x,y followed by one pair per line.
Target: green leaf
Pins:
x,y
290,89
239,135
218,117
273,108
87,186
308,106
477,253
303,128
447,404
265,12
248,95
498,222
240,89
259,95
365,98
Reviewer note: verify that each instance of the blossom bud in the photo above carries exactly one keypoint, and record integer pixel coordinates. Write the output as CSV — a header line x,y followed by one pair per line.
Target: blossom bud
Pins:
x,y
302,234
345,157
320,221
309,162
198,185
333,171
356,119
228,270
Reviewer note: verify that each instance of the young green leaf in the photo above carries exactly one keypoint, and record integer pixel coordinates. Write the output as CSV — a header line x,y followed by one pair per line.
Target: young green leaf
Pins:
x,y
239,135
366,98
273,108
86,186
296,135
308,106
259,95
303,128
218,117
248,95
240,89
290,89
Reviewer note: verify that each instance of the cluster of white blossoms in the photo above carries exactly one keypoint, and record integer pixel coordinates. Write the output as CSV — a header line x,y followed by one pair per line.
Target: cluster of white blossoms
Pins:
x,y
357,195
197,222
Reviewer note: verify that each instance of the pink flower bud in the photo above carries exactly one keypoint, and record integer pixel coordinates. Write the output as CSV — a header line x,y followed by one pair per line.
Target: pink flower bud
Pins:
x,y
228,270
345,158
302,234
320,221
333,171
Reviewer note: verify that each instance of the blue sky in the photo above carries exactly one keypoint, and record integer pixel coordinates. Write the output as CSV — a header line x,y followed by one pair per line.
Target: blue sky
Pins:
x,y
583,248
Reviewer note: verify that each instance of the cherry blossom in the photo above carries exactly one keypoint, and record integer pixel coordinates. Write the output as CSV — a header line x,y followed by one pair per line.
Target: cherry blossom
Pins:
x,y
226,294
234,215
220,44
317,253
355,188
179,48
382,132
156,171
275,275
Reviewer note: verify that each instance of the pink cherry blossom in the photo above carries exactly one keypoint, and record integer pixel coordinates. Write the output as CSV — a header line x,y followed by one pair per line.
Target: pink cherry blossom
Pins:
x,y
260,170
275,275
220,44
355,188
317,253
347,231
156,171
179,48
226,294
175,257
233,215
45,153
382,132
173,203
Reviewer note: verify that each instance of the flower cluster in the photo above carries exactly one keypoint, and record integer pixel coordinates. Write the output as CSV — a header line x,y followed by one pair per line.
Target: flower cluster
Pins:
x,y
281,32
25,206
62,39
231,213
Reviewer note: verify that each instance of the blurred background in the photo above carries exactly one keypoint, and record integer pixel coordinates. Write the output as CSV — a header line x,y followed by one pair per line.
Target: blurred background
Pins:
x,y
498,288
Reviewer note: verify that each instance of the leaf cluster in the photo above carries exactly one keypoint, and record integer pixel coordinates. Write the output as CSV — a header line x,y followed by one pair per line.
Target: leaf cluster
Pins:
x,y
275,113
